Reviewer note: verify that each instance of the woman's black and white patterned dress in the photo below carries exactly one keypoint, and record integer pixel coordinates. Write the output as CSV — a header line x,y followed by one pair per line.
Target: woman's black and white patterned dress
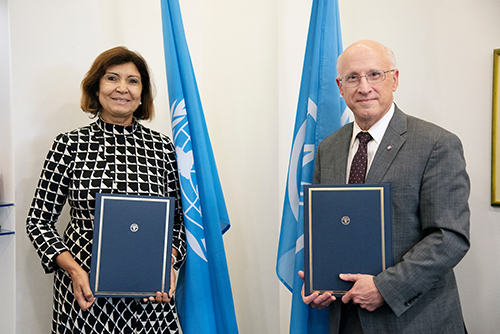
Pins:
x,y
105,158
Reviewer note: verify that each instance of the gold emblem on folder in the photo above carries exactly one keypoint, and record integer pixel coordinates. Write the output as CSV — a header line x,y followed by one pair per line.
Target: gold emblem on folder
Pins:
x,y
345,220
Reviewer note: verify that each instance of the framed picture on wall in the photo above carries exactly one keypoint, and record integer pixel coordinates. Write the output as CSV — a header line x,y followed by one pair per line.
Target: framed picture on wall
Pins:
x,y
495,140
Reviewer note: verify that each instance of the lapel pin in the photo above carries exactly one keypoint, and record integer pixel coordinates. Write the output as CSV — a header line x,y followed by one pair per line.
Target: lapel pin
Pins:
x,y
389,147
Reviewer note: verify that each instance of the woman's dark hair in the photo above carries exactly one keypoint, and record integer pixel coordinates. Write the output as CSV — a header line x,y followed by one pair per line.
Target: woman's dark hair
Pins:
x,y
117,56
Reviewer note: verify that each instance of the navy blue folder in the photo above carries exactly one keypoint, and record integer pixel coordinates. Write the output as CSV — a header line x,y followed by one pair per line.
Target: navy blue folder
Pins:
x,y
347,229
132,245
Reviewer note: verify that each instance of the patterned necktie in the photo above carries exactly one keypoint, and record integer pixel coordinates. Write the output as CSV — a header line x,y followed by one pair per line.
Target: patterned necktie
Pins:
x,y
360,160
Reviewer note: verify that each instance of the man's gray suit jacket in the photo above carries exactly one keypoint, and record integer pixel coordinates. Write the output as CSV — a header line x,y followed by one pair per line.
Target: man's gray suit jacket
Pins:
x,y
430,188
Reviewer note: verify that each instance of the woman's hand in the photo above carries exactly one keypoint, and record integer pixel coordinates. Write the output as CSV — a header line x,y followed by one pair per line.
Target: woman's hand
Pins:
x,y
81,289
81,286
167,297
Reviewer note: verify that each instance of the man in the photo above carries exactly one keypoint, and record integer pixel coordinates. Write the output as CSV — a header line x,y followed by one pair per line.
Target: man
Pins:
x,y
430,188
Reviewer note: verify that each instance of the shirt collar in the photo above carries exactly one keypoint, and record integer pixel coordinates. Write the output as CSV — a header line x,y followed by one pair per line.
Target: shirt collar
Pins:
x,y
377,131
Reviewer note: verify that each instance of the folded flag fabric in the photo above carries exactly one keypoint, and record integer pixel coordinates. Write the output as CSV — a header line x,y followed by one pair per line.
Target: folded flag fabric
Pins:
x,y
203,298
320,112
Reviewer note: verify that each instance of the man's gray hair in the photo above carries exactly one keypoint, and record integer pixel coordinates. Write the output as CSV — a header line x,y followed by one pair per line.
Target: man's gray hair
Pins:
x,y
392,58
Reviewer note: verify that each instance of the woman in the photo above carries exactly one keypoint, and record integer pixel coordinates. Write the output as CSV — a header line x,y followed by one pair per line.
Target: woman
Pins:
x,y
115,154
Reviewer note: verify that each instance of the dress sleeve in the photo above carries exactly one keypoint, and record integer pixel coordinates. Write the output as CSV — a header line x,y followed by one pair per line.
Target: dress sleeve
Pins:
x,y
50,196
173,190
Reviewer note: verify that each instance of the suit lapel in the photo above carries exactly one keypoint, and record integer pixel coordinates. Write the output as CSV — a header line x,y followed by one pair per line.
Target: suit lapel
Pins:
x,y
342,147
389,147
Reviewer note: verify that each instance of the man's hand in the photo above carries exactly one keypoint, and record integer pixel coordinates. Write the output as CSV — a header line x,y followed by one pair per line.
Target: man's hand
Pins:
x,y
315,299
364,292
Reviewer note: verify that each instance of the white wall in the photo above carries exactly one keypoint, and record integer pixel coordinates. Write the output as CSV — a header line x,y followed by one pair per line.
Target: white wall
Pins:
x,y
7,214
248,59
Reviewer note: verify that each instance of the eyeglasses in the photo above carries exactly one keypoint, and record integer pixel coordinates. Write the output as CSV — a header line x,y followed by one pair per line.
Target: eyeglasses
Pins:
x,y
372,77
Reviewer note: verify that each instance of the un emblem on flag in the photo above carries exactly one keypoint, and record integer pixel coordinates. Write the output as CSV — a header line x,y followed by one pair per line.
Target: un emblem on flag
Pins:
x,y
134,227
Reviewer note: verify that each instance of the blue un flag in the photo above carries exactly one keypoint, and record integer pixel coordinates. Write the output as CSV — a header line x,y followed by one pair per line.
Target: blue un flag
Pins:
x,y
204,299
320,112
